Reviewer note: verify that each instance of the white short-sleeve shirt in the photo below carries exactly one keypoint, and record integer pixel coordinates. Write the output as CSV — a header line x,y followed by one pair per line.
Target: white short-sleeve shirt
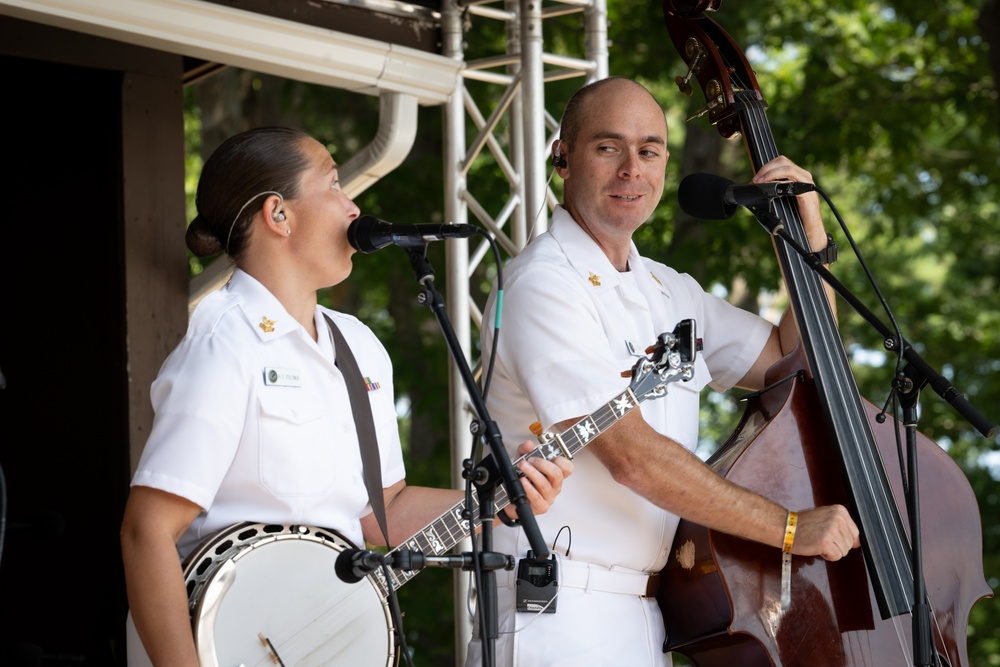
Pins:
x,y
568,318
253,420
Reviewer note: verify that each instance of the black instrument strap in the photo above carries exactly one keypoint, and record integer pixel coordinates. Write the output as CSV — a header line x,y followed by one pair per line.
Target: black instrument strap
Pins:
x,y
364,424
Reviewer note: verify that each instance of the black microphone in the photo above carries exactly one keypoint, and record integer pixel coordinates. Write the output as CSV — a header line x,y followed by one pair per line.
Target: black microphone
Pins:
x,y
407,560
353,565
711,197
367,234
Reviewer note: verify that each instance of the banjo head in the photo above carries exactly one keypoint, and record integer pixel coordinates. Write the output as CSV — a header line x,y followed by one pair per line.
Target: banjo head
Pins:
x,y
257,590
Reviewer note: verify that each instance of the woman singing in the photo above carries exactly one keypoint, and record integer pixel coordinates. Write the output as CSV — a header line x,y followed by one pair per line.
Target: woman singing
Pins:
x,y
253,419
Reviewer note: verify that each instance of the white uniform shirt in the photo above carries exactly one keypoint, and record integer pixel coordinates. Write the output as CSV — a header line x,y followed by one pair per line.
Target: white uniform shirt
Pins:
x,y
253,420
566,319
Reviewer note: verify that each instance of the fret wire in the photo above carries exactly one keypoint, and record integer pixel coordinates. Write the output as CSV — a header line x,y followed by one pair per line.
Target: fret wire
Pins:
x,y
451,527
447,525
613,417
610,415
448,528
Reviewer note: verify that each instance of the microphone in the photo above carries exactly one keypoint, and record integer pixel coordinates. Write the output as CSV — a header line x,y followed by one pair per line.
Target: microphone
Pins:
x,y
353,565
367,234
711,197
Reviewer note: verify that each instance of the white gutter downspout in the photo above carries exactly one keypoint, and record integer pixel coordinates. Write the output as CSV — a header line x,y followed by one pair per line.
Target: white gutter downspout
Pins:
x,y
397,131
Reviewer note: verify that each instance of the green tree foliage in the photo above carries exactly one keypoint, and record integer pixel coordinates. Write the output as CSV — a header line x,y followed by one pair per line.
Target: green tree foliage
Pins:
x,y
891,104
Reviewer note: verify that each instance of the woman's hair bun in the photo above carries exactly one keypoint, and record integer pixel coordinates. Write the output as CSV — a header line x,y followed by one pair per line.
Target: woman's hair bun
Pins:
x,y
201,240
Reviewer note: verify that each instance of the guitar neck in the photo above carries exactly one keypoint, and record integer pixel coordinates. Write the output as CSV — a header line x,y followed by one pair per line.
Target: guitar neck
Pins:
x,y
439,536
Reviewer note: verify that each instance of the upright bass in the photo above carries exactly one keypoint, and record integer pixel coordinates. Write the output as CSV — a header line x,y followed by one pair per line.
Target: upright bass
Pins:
x,y
810,440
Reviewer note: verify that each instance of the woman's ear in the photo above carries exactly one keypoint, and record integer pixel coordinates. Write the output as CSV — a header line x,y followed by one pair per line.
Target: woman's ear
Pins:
x,y
274,215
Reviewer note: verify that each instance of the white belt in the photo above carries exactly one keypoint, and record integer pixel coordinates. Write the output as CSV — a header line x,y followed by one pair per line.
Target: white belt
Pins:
x,y
589,577
596,578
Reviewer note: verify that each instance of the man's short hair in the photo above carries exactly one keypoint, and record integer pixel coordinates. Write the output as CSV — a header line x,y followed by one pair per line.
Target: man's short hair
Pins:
x,y
575,111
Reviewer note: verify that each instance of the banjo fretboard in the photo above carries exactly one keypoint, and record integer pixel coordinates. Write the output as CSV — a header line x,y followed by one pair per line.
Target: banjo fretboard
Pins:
x,y
438,537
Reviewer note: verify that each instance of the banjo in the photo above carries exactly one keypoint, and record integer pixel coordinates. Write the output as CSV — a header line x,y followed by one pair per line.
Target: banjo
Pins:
x,y
267,595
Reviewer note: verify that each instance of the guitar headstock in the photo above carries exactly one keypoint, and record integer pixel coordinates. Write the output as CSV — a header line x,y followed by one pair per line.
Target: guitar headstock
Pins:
x,y
669,360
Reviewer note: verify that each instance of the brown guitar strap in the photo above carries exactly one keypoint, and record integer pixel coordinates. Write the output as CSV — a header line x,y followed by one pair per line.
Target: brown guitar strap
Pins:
x,y
364,424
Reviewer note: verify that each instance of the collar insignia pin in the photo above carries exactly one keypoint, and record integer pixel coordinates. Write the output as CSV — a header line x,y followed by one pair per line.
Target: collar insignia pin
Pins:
x,y
656,279
595,280
267,325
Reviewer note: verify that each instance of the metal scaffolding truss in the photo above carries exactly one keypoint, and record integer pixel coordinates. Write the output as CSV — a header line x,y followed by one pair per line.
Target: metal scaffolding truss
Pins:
x,y
517,96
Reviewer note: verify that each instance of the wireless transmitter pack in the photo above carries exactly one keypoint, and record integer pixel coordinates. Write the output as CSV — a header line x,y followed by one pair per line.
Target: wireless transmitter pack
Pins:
x,y
537,584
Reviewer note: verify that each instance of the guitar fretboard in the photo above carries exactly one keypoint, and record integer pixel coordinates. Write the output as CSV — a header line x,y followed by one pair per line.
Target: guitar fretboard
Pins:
x,y
438,537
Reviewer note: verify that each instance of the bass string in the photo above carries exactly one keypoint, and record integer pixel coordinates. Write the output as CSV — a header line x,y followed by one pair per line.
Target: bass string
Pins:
x,y
764,140
856,442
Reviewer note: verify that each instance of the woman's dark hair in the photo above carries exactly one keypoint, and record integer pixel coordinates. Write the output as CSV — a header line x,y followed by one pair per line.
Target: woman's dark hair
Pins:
x,y
249,164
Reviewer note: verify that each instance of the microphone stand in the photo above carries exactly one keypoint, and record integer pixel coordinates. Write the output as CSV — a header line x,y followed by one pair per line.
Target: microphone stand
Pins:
x,y
490,471
907,385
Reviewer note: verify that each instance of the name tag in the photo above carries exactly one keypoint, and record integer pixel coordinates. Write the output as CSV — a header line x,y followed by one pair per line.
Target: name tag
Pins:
x,y
282,377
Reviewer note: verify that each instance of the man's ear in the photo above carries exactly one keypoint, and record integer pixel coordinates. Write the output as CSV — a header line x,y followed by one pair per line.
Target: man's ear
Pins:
x,y
558,156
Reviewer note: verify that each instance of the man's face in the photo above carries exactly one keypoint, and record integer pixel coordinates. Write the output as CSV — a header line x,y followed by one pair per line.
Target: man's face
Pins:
x,y
615,165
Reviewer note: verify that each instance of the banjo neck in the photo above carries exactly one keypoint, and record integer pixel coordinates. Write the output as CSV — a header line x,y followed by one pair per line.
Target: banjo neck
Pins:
x,y
670,360
442,534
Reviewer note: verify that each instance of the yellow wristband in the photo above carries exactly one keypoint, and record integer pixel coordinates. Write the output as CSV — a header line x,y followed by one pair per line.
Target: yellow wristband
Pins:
x,y
786,560
793,518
